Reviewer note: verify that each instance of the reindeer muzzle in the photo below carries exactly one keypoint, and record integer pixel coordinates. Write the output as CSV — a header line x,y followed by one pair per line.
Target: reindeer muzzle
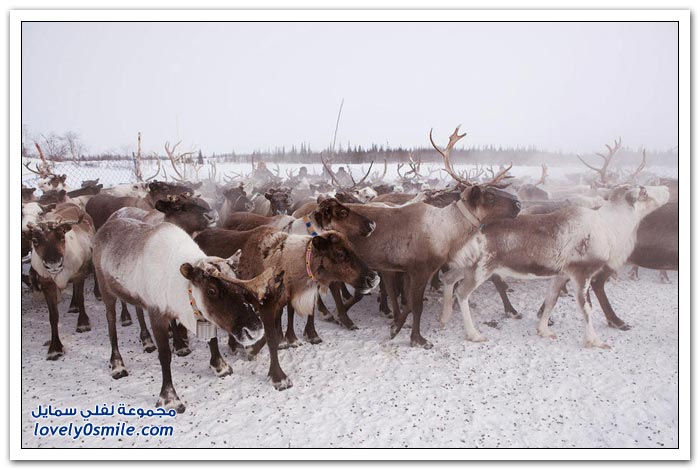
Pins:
x,y
212,218
54,268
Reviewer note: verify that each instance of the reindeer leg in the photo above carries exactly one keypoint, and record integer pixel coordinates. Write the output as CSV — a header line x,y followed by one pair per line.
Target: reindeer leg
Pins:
x,y
310,333
282,339
448,278
125,317
269,317
96,289
144,335
634,273
663,276
179,341
546,309
73,307
79,297
390,283
325,314
383,304
168,396
582,284
292,340
342,315
502,289
464,291
217,363
418,284
51,296
345,292
115,360
598,286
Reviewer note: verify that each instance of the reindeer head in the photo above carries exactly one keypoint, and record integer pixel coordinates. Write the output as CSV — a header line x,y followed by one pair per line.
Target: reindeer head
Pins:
x,y
280,200
53,182
332,215
365,194
238,199
192,214
49,243
333,259
489,203
160,190
642,199
228,302
28,195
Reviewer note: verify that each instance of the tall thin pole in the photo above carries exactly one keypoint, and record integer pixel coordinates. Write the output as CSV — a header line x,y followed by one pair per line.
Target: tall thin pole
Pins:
x,y
337,122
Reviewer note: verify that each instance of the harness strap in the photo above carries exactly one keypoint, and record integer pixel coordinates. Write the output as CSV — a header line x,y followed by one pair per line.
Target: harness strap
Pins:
x,y
469,215
309,251
310,226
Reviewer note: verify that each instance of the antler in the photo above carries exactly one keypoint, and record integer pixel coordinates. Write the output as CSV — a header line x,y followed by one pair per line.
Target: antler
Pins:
x,y
503,174
330,172
381,178
454,138
37,172
356,183
639,169
603,171
543,176
174,159
157,171
290,173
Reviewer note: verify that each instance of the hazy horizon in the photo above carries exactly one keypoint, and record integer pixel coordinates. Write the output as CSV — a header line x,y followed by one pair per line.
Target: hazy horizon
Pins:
x,y
252,86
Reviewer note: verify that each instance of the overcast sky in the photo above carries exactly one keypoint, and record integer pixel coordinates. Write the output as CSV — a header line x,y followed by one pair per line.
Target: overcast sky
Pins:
x,y
245,86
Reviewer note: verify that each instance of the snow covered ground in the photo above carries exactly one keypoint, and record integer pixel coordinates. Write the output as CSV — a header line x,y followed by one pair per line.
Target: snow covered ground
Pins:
x,y
360,389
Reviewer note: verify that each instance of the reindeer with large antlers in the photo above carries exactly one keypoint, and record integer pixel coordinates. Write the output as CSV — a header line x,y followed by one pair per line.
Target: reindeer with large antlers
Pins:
x,y
418,239
607,159
180,159
48,180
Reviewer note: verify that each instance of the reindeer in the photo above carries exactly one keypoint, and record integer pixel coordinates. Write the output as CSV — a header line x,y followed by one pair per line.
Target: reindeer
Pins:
x,y
190,214
574,243
61,250
45,170
657,243
161,269
306,264
436,235
28,195
235,200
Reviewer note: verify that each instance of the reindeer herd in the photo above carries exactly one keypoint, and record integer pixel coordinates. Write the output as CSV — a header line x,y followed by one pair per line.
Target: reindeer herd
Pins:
x,y
198,257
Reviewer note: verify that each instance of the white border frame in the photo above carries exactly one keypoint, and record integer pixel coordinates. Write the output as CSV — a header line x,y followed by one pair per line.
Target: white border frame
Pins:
x,y
681,16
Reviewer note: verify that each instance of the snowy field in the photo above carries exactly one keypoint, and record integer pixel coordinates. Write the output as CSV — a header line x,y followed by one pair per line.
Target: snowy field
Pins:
x,y
361,389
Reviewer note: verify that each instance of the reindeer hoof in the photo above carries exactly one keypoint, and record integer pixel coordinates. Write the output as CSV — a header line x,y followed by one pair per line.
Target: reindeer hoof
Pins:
x,y
295,343
119,372
624,326
54,355
283,384
182,352
83,328
421,343
283,345
514,315
596,343
171,403
148,345
127,322
73,309
222,370
478,338
313,340
393,331
546,334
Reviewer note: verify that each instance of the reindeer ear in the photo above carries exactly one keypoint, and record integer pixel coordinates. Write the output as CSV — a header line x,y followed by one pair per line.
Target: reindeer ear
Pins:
x,y
65,228
63,178
163,206
188,271
62,194
268,194
234,260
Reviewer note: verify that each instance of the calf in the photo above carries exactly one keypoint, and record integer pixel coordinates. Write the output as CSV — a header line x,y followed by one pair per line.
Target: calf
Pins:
x,y
61,251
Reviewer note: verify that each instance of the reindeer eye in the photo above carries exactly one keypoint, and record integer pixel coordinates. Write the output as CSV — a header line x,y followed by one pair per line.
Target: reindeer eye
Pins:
x,y
212,292
342,214
35,242
341,255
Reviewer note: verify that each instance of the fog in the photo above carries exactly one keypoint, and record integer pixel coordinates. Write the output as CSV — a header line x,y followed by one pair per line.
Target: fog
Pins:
x,y
246,86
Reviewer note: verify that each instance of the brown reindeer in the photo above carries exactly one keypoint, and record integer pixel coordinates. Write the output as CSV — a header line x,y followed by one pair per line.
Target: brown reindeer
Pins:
x,y
61,251
307,263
